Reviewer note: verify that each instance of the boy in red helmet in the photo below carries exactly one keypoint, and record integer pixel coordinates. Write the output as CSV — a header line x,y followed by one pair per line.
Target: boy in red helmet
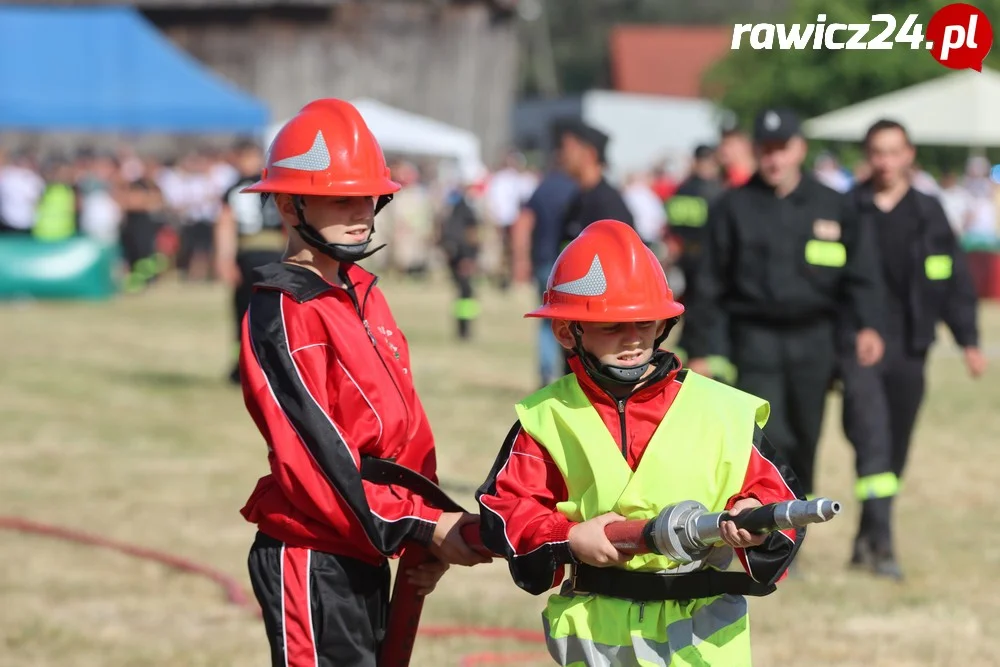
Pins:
x,y
626,434
326,377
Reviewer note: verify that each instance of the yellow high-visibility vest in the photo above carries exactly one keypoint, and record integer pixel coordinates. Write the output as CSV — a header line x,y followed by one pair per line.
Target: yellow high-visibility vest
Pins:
x,y
55,215
700,451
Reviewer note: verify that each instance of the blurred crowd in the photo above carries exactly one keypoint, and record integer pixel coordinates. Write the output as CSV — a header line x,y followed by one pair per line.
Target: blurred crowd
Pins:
x,y
163,211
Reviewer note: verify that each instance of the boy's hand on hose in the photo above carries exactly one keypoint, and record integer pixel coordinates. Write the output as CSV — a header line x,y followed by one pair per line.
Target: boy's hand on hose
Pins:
x,y
447,543
740,538
590,545
426,575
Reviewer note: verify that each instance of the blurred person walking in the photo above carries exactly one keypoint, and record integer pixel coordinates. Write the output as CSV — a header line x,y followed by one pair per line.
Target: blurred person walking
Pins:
x,y
144,208
57,213
927,280
248,234
539,232
506,192
410,223
100,190
200,198
20,189
583,155
459,239
687,213
784,256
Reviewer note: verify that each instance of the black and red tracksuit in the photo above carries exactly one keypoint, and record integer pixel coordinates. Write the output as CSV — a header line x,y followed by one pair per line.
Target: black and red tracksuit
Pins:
x,y
518,500
327,379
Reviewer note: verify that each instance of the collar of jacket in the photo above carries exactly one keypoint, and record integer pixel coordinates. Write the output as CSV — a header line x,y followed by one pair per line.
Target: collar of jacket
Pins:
x,y
303,285
799,194
864,198
667,367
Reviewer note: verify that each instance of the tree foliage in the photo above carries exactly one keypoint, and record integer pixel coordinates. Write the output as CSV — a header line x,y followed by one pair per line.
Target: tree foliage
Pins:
x,y
817,81
579,29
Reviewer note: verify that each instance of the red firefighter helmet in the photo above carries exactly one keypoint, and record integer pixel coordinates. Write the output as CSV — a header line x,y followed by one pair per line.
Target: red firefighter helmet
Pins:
x,y
607,274
326,149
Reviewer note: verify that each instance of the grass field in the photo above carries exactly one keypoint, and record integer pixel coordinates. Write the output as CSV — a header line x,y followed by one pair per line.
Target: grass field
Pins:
x,y
114,419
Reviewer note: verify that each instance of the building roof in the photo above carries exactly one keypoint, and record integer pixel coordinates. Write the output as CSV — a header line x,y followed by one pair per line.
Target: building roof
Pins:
x,y
665,59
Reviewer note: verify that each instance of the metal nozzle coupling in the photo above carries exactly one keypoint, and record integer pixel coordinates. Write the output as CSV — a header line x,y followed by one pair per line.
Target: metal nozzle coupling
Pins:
x,y
799,513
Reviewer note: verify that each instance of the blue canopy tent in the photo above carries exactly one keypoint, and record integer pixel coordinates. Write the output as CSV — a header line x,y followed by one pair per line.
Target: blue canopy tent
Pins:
x,y
106,69
97,70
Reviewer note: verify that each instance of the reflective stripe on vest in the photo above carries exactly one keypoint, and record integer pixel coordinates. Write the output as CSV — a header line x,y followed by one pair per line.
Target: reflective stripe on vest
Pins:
x,y
688,638
700,451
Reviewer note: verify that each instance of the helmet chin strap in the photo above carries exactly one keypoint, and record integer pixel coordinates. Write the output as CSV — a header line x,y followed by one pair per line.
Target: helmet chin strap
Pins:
x,y
615,376
341,252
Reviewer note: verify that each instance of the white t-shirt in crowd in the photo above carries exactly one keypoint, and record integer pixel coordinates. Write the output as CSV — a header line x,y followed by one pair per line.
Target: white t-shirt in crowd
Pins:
x,y
100,216
957,204
20,189
984,217
506,193
647,212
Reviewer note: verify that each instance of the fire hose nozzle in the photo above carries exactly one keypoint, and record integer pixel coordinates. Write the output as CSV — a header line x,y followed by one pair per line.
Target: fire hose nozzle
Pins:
x,y
687,531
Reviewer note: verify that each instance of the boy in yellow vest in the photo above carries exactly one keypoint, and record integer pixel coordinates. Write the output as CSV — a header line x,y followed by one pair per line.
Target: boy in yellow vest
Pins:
x,y
628,433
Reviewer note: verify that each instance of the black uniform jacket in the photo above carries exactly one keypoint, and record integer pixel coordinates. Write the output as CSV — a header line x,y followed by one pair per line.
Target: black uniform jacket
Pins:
x,y
800,259
940,284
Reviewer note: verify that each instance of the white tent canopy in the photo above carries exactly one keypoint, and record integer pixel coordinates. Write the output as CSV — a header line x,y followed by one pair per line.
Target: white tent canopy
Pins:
x,y
959,109
407,133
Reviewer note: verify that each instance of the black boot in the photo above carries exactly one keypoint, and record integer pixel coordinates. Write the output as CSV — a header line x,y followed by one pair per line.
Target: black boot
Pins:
x,y
464,329
861,556
884,562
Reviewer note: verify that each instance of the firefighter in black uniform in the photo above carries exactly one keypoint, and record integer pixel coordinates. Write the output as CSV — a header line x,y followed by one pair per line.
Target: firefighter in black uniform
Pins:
x,y
458,237
248,234
687,213
927,280
783,257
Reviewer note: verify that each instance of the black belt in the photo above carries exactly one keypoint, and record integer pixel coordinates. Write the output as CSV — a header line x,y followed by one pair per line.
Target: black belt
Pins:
x,y
653,586
388,472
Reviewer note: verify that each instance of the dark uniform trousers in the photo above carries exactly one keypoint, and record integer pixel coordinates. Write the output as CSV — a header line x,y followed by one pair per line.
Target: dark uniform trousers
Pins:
x,y
791,366
881,404
320,609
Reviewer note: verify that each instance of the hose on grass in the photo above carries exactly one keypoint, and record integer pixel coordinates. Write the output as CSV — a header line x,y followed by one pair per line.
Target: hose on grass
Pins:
x,y
237,595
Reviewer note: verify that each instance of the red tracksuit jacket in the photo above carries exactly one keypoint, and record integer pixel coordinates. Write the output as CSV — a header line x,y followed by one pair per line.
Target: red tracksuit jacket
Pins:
x,y
326,377
518,501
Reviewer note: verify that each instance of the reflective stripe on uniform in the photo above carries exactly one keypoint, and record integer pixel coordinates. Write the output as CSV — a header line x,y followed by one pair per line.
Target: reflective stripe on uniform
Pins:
x,y
715,624
881,485
826,253
938,267
687,211
466,309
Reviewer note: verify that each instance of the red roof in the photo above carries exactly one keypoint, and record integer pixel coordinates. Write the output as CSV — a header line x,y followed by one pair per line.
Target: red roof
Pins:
x,y
665,60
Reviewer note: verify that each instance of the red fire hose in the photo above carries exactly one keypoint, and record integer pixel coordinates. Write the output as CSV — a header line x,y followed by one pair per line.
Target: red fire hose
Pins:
x,y
237,595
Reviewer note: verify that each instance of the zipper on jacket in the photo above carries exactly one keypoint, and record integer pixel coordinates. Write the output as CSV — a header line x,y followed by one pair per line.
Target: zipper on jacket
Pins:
x,y
621,422
359,308
620,402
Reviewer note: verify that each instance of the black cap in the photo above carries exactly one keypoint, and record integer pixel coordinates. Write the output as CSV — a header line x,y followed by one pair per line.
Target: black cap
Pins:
x,y
702,152
776,125
588,134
